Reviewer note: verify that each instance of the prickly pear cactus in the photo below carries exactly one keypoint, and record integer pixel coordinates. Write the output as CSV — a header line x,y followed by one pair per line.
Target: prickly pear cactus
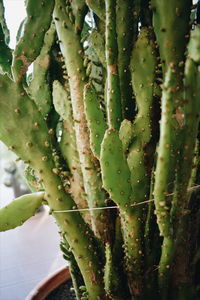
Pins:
x,y
108,125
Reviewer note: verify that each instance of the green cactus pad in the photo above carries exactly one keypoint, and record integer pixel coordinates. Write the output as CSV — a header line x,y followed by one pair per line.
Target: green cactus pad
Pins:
x,y
113,97
98,6
115,170
68,144
61,101
167,155
63,107
95,118
20,30
5,54
97,42
19,115
190,109
126,133
38,21
125,38
172,29
111,278
39,87
194,45
19,210
79,9
143,62
139,179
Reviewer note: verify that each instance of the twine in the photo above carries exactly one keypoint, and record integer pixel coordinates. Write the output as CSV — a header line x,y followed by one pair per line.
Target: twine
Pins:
x,y
194,188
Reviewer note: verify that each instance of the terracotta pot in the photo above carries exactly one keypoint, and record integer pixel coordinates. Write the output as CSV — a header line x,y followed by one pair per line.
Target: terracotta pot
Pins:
x,y
46,286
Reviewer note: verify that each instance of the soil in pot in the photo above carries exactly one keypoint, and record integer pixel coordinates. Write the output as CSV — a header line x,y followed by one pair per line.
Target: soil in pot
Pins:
x,y
62,292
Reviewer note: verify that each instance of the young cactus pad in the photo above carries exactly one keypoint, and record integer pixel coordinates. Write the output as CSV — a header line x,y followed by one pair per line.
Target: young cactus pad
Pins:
x,y
19,210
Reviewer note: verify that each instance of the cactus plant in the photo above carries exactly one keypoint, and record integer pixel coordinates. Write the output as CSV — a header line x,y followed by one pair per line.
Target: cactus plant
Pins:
x,y
108,122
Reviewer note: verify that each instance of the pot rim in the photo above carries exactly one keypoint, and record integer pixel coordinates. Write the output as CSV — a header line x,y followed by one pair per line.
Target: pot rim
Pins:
x,y
48,284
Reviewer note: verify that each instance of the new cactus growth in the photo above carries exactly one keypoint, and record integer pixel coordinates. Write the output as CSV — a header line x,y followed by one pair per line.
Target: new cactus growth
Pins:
x,y
20,210
108,125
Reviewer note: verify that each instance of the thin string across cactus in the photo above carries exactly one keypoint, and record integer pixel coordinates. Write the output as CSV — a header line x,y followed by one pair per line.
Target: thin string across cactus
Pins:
x,y
192,189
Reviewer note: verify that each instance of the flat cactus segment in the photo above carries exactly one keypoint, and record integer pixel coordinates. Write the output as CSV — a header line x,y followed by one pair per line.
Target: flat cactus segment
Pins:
x,y
113,269
79,9
63,107
38,21
164,177
3,24
192,107
143,61
171,29
95,118
19,115
5,51
19,210
125,22
5,54
98,6
108,268
168,249
62,102
111,276
68,145
194,45
139,179
114,111
20,30
126,133
68,149
190,112
39,87
98,43
115,171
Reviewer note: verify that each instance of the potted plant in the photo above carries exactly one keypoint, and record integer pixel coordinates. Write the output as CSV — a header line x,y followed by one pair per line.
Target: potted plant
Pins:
x,y
55,286
108,124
